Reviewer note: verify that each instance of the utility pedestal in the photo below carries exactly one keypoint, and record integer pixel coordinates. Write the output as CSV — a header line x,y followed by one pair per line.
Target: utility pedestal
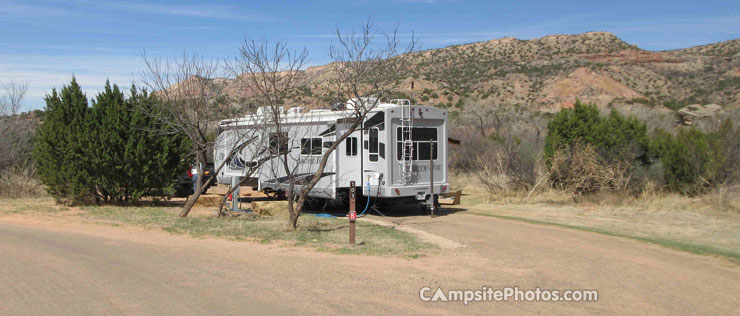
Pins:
x,y
235,194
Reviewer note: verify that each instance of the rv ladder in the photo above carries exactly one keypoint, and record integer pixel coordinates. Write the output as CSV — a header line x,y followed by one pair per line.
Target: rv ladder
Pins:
x,y
407,144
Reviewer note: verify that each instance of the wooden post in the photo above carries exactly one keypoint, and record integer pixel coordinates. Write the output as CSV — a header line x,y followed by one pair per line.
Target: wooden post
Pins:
x,y
431,174
352,212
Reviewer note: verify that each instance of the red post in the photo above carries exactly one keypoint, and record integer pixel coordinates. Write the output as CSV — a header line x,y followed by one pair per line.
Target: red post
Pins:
x,y
352,212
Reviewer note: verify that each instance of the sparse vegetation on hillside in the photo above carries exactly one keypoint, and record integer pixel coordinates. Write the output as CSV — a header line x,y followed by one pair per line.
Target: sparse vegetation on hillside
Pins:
x,y
546,74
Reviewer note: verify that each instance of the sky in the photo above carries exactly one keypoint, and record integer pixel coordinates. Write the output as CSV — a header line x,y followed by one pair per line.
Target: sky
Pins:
x,y
47,42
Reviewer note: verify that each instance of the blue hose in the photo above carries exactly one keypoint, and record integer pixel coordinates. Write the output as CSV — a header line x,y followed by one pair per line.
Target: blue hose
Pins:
x,y
368,200
239,210
358,215
231,206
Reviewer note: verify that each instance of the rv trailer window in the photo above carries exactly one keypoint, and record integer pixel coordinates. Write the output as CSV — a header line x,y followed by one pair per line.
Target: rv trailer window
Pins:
x,y
316,146
237,163
276,146
373,150
419,134
423,151
311,146
350,146
420,137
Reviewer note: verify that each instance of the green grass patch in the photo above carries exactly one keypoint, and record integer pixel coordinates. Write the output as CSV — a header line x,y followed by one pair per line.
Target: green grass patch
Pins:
x,y
668,243
24,206
322,234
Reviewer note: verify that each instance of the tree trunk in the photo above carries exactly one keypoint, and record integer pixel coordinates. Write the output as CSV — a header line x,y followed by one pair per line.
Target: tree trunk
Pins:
x,y
190,203
294,221
295,213
222,204
224,199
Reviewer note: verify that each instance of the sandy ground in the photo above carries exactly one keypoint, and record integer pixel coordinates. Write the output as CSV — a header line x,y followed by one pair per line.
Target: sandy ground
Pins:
x,y
53,266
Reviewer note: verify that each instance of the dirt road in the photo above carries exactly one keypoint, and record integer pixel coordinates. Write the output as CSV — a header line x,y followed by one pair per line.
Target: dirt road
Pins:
x,y
52,268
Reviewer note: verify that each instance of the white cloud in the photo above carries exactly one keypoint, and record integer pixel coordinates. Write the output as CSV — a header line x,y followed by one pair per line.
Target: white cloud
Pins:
x,y
427,1
418,1
46,72
201,10
205,10
13,8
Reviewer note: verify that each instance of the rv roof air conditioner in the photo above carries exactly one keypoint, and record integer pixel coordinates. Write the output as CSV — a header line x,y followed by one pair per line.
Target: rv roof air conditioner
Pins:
x,y
295,110
265,110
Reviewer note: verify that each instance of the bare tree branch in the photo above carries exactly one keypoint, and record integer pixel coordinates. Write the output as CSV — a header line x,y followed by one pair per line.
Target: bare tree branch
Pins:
x,y
190,93
12,101
270,72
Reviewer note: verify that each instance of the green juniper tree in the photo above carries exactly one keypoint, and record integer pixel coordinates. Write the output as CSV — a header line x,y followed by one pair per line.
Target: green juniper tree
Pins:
x,y
130,157
59,153
107,153
153,159
108,124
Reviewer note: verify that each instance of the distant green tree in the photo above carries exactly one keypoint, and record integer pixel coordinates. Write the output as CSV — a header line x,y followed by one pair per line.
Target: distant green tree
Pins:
x,y
695,161
614,136
620,144
684,158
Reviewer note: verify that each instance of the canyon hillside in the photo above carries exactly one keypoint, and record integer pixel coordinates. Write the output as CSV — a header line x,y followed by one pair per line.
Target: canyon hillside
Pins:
x,y
549,73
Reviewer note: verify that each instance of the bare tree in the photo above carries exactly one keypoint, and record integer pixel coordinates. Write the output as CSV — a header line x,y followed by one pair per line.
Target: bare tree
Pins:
x,y
269,72
487,117
365,73
16,134
190,93
235,145
504,143
12,101
482,116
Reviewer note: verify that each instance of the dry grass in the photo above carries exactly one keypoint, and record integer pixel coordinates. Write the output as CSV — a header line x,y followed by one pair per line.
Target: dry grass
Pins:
x,y
20,184
704,224
476,193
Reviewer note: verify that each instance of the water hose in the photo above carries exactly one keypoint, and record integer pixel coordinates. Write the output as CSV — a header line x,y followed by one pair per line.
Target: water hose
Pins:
x,y
240,210
367,206
368,200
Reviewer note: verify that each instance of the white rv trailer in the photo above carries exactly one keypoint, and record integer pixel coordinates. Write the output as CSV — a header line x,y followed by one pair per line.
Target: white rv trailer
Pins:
x,y
388,156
